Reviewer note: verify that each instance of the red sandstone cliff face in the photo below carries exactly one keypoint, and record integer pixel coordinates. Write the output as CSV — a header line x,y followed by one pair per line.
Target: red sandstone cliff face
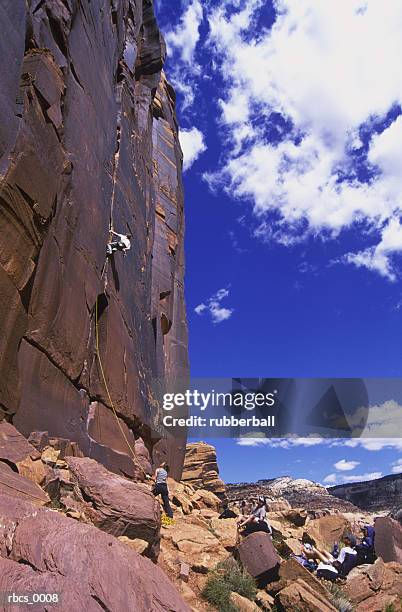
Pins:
x,y
88,142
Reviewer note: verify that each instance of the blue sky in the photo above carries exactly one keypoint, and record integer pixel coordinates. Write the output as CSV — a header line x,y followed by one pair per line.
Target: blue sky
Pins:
x,y
291,127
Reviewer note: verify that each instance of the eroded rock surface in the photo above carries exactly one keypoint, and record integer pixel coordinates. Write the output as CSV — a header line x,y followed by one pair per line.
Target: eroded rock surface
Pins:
x,y
89,143
43,551
201,469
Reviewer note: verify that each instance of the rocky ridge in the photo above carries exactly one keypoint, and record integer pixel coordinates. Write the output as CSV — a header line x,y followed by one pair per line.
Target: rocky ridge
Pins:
x,y
376,495
299,493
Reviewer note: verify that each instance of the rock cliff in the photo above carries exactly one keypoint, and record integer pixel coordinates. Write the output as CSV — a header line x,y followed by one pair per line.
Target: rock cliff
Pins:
x,y
89,143
376,495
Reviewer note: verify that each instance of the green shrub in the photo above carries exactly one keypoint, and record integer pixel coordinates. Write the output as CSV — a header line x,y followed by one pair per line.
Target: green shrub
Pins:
x,y
339,599
225,578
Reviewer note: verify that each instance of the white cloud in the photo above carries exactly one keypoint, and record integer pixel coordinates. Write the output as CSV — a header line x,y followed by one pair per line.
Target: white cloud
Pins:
x,y
345,466
333,479
319,68
185,36
397,466
217,312
286,443
181,43
192,144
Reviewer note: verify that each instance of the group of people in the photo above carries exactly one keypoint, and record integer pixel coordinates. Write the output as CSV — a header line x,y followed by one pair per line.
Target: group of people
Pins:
x,y
330,565
342,559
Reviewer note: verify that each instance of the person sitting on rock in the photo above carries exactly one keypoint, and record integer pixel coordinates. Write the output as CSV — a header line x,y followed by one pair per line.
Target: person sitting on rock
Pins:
x,y
365,550
161,488
123,244
256,521
330,567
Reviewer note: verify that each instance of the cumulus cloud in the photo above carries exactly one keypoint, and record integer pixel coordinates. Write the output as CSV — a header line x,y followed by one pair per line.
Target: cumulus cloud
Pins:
x,y
333,479
213,306
181,43
192,144
185,36
300,108
286,443
345,466
397,466
370,444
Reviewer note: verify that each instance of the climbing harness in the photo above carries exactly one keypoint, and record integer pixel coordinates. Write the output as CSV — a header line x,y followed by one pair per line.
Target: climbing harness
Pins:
x,y
132,451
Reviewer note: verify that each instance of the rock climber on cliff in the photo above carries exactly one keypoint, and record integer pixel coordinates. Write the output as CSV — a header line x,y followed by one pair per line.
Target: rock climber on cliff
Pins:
x,y
123,244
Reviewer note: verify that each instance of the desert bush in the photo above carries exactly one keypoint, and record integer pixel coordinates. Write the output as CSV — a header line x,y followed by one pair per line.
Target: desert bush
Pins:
x,y
339,599
228,576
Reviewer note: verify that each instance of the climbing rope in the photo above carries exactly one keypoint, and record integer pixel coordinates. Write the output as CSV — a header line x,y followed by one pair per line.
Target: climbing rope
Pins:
x,y
132,451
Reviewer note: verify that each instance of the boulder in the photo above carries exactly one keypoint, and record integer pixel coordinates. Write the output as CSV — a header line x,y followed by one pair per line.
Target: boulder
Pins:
x,y
371,588
14,448
16,451
120,507
325,531
140,546
258,555
291,546
388,539
201,470
44,551
206,499
226,532
192,543
264,601
300,596
291,570
242,603
39,439
11,483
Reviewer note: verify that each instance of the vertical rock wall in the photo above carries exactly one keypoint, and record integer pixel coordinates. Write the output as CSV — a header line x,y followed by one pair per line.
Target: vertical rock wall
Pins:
x,y
89,143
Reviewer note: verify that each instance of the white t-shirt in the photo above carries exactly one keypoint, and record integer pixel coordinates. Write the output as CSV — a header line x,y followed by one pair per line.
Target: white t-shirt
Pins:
x,y
124,240
344,551
260,513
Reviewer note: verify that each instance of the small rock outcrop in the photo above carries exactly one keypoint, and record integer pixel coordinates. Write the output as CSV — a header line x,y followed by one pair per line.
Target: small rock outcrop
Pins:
x,y
201,469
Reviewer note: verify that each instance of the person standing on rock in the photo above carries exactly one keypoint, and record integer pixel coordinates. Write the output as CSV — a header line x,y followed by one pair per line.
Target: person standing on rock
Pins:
x,y
161,488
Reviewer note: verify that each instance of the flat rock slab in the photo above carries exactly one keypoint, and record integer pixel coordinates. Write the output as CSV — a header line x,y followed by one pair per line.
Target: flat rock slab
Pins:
x,y
13,446
44,551
388,539
15,485
122,507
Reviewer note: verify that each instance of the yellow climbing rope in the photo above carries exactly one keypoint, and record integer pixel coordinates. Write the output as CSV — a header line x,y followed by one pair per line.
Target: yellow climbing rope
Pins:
x,y
132,451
